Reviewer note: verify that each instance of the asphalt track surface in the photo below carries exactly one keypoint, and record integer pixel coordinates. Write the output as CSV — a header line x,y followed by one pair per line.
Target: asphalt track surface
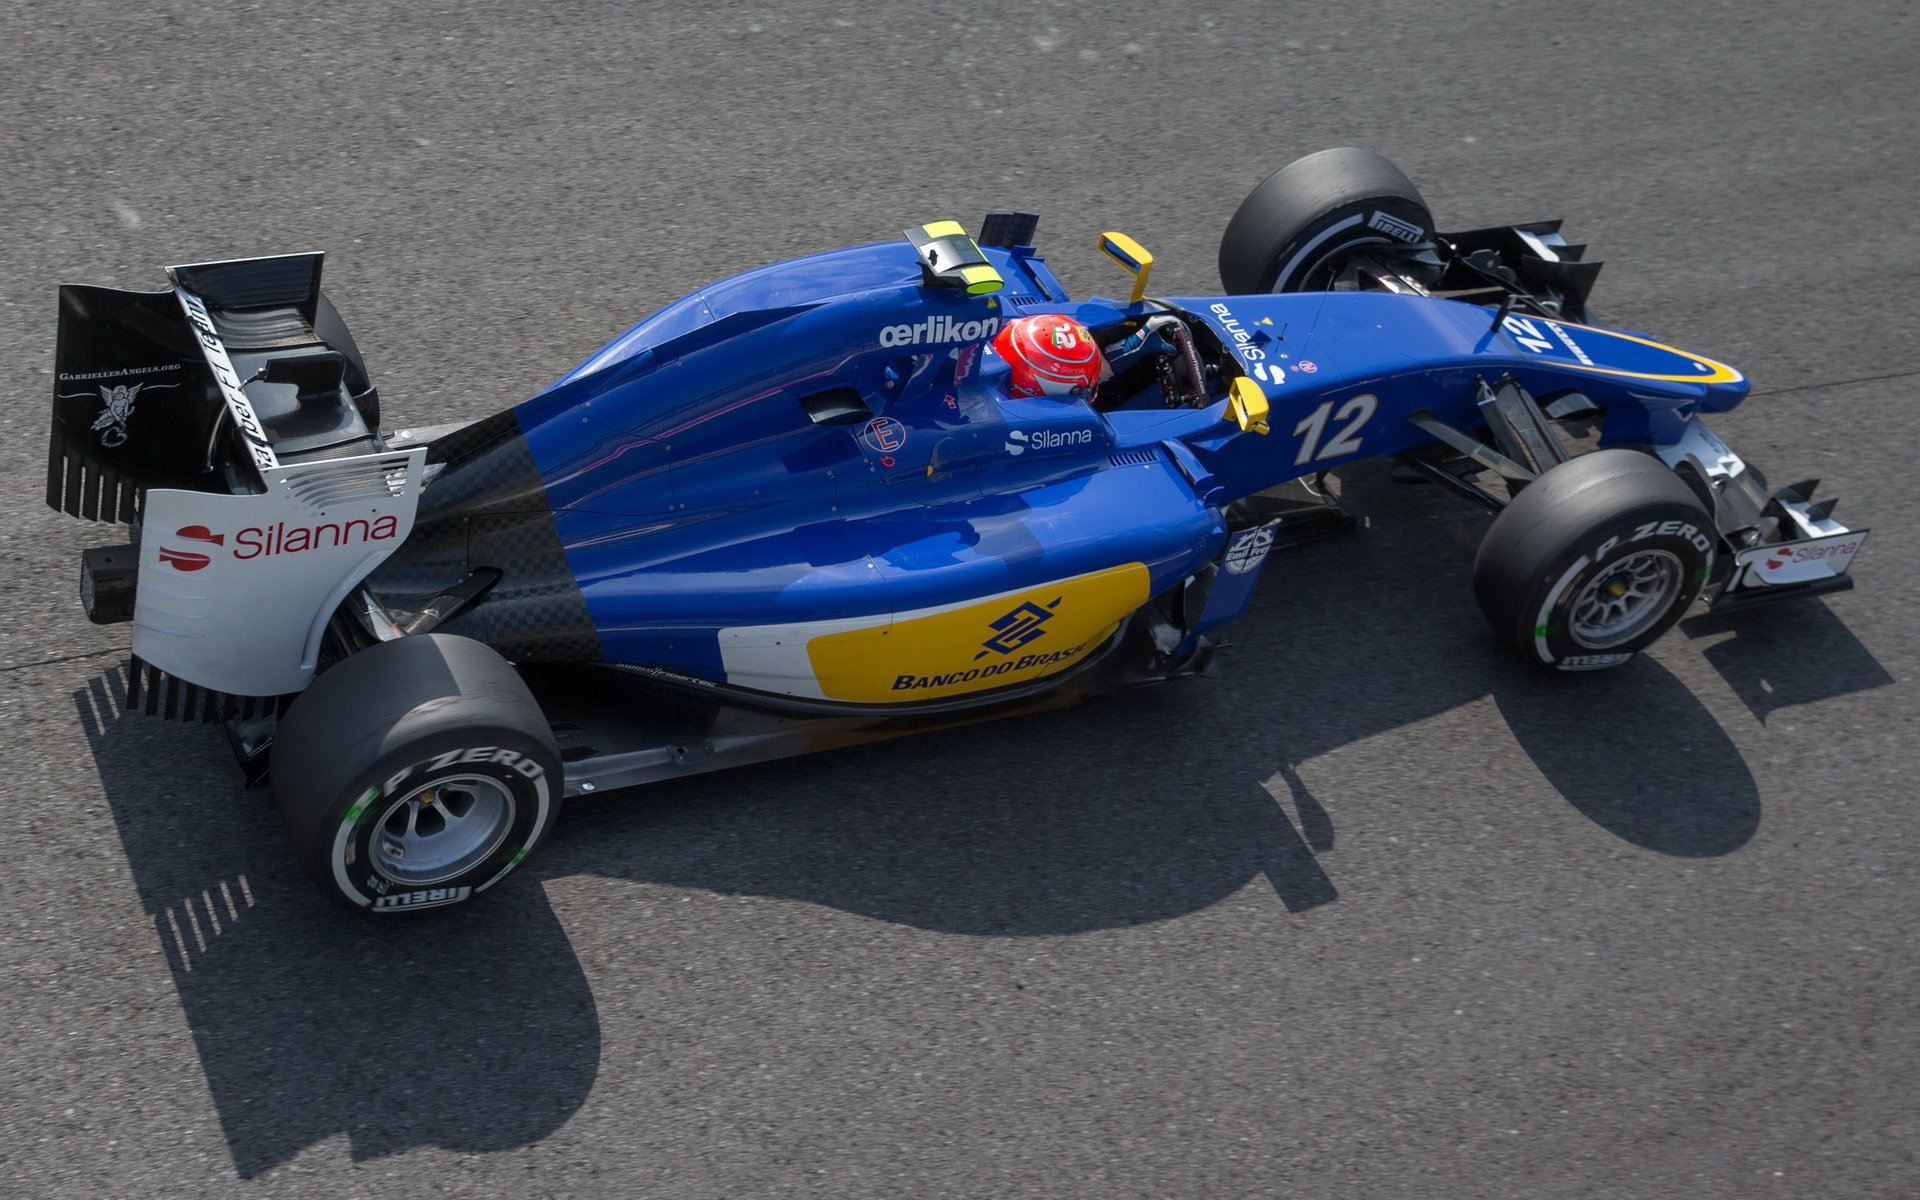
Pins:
x,y
1371,913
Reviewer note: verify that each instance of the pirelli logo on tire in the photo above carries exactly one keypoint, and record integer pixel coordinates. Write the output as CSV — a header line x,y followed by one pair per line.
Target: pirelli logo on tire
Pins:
x,y
427,898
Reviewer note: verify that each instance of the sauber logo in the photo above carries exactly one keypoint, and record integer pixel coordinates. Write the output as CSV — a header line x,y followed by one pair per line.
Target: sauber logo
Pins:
x,y
228,380
1268,372
270,540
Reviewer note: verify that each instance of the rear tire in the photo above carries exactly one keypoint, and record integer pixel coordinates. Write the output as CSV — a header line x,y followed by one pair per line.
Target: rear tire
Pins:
x,y
1592,562
416,774
1292,232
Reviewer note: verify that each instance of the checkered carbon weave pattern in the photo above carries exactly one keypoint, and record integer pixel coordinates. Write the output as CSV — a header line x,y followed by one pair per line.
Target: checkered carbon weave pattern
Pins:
x,y
489,508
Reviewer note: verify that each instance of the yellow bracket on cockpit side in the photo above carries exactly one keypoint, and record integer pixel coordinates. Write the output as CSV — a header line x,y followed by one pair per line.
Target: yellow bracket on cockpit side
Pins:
x,y
1247,405
1132,256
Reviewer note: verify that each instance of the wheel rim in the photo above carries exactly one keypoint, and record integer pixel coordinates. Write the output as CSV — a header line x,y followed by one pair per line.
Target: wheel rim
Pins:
x,y
1626,599
442,830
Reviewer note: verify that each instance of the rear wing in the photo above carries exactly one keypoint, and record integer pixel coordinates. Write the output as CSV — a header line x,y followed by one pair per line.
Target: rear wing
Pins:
x,y
130,402
148,392
245,288
230,417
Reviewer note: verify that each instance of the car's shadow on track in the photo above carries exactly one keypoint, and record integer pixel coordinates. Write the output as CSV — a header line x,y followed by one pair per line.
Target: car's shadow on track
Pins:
x,y
472,1031
312,1021
1782,656
1054,823
1634,752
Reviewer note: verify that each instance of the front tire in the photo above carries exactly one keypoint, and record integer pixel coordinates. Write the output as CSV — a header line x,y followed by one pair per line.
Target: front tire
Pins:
x,y
1295,230
416,774
1591,563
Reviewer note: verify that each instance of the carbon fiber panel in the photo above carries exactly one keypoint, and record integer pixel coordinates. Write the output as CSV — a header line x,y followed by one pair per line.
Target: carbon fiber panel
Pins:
x,y
489,508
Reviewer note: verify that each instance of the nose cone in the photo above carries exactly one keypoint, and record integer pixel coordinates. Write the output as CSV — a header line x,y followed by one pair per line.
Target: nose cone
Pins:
x,y
1723,394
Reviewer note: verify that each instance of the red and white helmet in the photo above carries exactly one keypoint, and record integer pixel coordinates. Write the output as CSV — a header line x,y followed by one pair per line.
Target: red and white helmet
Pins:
x,y
1050,355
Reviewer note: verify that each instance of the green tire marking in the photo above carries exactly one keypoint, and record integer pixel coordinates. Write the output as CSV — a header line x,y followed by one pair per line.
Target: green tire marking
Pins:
x,y
360,805
513,862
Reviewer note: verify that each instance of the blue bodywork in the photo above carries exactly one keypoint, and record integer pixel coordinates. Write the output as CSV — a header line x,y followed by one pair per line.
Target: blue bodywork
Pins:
x,y
693,491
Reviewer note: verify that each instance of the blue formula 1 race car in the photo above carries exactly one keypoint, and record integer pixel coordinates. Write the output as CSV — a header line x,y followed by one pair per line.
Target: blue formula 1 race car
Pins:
x,y
841,498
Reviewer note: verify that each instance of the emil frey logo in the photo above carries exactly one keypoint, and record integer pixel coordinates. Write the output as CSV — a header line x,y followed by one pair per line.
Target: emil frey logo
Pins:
x,y
1249,548
884,434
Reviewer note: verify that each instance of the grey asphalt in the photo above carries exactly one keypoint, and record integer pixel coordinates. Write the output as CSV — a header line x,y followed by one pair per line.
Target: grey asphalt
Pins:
x,y
1371,913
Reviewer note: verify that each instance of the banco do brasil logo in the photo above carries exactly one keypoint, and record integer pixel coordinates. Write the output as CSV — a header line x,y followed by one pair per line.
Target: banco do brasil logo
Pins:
x,y
1017,628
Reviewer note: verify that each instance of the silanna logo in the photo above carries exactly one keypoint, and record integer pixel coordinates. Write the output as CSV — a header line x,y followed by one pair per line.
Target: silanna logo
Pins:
x,y
1019,441
272,540
191,560
1247,342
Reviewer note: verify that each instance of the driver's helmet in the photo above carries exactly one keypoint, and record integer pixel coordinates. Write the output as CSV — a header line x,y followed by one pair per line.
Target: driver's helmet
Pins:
x,y
1050,355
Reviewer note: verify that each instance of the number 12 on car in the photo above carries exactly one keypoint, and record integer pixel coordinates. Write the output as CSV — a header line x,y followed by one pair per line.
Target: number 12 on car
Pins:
x,y
1353,413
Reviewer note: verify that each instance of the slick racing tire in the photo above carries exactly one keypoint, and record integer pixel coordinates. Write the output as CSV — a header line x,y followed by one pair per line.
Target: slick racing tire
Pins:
x,y
1293,232
1594,561
416,774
